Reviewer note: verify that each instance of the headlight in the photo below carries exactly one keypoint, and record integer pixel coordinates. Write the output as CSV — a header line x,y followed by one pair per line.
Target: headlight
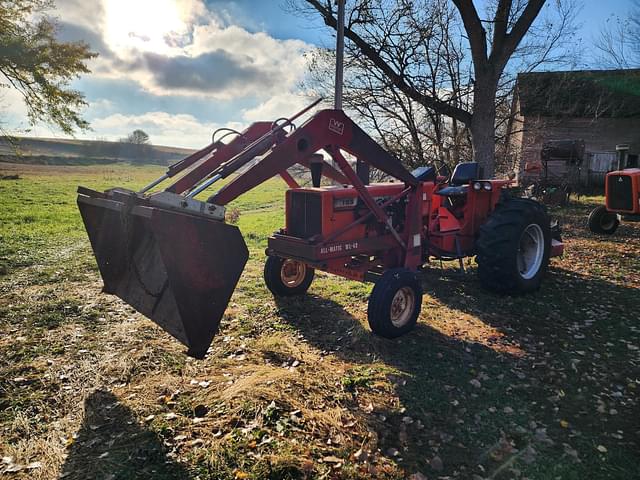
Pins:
x,y
487,186
477,186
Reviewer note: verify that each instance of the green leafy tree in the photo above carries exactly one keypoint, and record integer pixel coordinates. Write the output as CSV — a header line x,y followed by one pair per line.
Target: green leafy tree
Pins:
x,y
39,66
138,137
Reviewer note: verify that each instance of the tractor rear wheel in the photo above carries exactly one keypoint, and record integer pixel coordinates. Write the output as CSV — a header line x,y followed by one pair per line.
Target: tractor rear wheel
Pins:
x,y
394,303
285,277
603,221
514,246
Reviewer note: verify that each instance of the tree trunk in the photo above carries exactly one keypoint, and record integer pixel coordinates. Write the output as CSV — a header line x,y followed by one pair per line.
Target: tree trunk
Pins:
x,y
482,126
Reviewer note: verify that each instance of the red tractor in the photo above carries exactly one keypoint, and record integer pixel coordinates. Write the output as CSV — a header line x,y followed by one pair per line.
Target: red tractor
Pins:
x,y
622,195
174,259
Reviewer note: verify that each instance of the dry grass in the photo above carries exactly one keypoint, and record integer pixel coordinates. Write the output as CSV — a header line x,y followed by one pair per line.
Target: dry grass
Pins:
x,y
488,386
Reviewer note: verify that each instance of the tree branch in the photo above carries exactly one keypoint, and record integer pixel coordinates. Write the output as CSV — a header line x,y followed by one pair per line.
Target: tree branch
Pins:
x,y
500,57
397,79
475,31
500,24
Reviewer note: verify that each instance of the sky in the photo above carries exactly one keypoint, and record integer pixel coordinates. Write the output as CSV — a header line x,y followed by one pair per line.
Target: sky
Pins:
x,y
179,69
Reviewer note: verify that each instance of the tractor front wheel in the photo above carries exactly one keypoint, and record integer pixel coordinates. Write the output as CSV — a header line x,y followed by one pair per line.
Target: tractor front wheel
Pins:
x,y
603,221
394,303
286,277
514,247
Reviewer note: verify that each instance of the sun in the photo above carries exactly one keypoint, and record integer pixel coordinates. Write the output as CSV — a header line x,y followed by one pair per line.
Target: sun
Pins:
x,y
142,24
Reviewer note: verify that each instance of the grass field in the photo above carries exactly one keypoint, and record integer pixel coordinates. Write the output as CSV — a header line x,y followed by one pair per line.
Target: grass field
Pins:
x,y
543,386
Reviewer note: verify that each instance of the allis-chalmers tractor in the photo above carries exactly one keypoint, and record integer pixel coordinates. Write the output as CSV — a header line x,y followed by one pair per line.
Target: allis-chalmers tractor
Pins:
x,y
175,260
622,196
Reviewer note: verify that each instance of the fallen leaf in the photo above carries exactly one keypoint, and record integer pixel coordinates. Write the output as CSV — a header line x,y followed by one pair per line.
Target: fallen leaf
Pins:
x,y
392,452
436,464
417,476
332,459
360,456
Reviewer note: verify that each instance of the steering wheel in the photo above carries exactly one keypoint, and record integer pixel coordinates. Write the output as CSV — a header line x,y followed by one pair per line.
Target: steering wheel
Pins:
x,y
442,170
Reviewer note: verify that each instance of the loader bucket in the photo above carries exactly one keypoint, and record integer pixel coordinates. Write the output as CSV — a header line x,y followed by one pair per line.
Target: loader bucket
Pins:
x,y
176,268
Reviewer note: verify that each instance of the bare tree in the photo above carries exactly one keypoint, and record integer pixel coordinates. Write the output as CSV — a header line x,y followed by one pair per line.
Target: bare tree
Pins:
x,y
404,127
456,88
618,43
415,134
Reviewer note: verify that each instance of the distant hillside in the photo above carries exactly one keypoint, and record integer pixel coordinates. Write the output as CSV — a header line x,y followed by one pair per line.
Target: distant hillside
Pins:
x,y
54,151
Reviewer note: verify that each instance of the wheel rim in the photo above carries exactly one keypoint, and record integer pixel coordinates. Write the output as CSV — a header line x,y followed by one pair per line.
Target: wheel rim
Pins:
x,y
607,221
530,251
292,273
402,306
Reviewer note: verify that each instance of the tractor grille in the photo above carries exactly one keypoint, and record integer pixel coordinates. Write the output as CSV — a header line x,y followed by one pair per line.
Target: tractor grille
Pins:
x,y
305,217
619,194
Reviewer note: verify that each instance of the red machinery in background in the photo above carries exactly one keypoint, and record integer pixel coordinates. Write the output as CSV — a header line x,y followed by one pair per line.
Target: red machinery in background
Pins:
x,y
622,195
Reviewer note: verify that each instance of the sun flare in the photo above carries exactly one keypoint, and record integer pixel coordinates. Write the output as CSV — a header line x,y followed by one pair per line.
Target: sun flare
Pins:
x,y
142,24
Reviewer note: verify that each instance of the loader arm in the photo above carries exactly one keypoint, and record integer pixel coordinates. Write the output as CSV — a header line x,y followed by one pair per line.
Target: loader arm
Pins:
x,y
326,129
222,154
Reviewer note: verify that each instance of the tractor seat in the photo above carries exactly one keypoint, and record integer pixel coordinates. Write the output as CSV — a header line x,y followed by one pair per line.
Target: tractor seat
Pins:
x,y
425,174
463,174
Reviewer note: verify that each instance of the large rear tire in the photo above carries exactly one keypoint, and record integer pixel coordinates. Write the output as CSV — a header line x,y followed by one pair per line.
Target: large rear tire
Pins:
x,y
514,247
285,277
603,221
394,303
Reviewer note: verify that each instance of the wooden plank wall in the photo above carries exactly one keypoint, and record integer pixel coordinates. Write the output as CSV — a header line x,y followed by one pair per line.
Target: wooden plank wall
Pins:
x,y
600,136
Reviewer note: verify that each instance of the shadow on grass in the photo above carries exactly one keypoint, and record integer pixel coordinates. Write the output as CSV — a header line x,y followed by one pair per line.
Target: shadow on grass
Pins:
x,y
112,445
439,411
477,402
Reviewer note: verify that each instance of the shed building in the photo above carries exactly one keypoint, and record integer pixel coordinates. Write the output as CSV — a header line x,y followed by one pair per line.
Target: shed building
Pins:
x,y
595,109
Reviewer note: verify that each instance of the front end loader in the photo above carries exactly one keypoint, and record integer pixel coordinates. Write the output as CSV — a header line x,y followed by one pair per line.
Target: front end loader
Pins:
x,y
174,259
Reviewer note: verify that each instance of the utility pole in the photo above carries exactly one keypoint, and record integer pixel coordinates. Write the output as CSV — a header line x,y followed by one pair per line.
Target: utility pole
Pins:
x,y
339,56
362,169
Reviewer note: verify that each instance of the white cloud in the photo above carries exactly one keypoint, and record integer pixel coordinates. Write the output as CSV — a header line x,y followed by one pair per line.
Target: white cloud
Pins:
x,y
181,130
179,47
278,106
174,48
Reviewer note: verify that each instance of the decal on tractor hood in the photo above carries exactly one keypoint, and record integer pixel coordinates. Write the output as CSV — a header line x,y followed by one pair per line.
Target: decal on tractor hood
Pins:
x,y
336,127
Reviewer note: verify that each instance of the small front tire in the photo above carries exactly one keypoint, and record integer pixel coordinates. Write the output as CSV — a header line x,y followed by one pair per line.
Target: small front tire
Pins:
x,y
394,303
602,221
286,277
